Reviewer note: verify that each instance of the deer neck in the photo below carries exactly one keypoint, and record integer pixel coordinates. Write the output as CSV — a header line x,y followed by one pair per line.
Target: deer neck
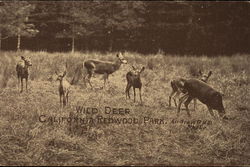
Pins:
x,y
117,64
26,66
61,83
137,79
204,80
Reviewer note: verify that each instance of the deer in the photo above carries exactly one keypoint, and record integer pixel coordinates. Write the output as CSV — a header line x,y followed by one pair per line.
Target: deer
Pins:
x,y
64,88
102,67
194,88
22,69
134,79
176,86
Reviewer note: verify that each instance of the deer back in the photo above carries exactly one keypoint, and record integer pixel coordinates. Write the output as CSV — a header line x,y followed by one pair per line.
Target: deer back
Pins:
x,y
101,67
205,93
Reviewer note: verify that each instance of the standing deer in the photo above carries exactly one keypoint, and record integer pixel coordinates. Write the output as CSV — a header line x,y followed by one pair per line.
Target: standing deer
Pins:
x,y
22,69
177,87
195,88
103,67
134,79
64,88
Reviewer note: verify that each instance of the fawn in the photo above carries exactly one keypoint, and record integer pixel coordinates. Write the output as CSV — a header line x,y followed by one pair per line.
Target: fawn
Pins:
x,y
134,79
64,88
22,69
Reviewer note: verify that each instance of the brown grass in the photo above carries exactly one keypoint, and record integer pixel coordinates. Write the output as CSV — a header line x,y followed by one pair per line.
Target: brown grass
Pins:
x,y
26,141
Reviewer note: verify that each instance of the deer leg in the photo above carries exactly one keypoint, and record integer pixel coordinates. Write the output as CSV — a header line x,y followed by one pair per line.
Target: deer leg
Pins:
x,y
195,102
127,90
84,75
60,99
211,111
67,98
134,93
92,70
21,85
222,114
105,77
181,100
26,81
90,73
89,76
108,78
175,96
64,100
189,99
18,81
140,94
170,96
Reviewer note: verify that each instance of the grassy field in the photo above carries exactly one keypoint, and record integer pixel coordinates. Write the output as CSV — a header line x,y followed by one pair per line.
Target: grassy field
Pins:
x,y
31,134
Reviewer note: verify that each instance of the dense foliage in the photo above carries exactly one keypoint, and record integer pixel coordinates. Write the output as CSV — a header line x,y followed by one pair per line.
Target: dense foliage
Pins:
x,y
144,26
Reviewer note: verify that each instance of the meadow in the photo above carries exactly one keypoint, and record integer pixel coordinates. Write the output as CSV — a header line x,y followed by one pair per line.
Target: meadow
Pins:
x,y
31,134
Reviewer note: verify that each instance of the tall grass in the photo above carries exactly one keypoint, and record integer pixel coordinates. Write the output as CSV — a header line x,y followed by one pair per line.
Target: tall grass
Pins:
x,y
26,141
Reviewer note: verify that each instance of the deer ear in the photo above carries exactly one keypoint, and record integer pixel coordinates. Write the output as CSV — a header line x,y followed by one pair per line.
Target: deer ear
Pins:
x,y
182,82
22,57
142,69
64,73
66,65
133,68
210,73
200,72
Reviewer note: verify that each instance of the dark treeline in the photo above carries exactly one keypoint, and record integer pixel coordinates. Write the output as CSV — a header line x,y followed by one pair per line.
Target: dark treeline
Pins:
x,y
209,28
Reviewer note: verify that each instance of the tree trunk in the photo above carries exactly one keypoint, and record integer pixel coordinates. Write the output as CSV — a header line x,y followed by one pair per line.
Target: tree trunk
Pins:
x,y
190,21
111,44
18,42
0,41
190,29
86,44
73,45
111,39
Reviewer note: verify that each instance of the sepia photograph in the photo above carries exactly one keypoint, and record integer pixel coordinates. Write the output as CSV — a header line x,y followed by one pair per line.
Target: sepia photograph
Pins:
x,y
124,83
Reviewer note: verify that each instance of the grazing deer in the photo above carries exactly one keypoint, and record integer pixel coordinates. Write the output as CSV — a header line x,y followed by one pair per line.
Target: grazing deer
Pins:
x,y
103,67
177,84
195,88
22,69
64,88
134,79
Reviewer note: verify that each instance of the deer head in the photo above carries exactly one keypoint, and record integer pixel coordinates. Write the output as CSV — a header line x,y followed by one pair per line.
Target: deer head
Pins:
x,y
181,86
121,58
137,72
60,76
27,61
204,77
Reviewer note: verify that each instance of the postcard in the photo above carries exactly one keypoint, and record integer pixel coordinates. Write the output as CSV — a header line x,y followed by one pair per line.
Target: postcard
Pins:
x,y
134,83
